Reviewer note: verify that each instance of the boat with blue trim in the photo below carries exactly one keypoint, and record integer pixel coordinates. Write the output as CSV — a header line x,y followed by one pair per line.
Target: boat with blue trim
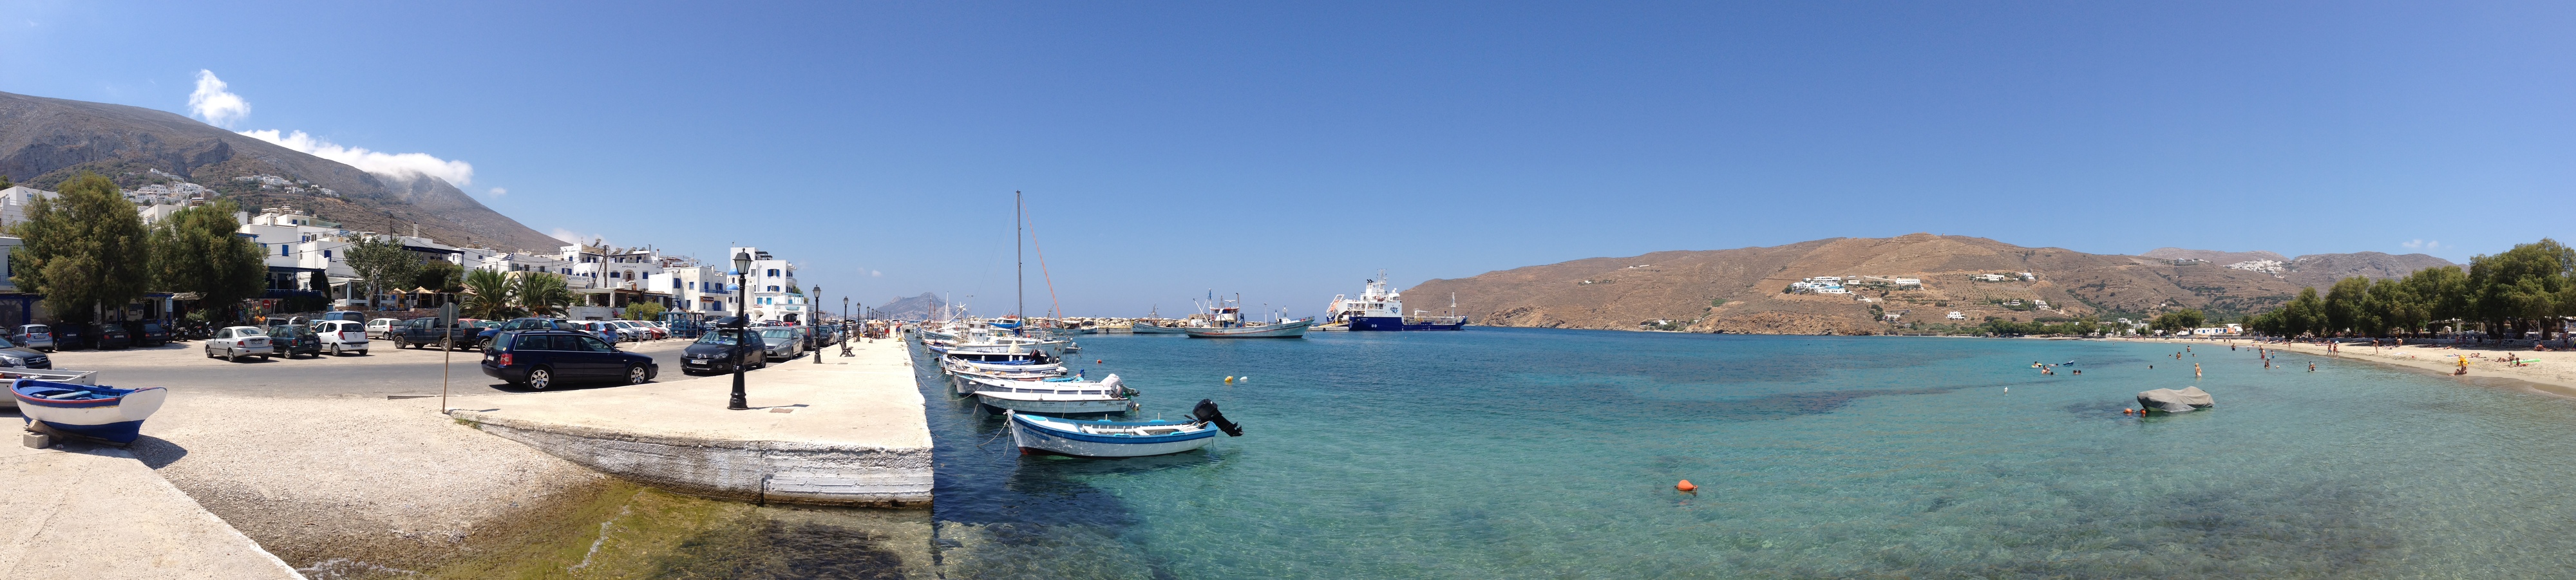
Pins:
x,y
1380,309
107,414
1049,435
1055,396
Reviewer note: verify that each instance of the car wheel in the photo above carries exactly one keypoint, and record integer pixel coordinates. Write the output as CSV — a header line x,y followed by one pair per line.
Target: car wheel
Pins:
x,y
635,374
232,355
539,378
271,357
335,350
362,352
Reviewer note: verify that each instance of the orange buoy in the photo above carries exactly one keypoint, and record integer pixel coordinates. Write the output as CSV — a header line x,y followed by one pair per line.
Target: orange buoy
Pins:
x,y
1100,361
1686,487
1229,380
2126,412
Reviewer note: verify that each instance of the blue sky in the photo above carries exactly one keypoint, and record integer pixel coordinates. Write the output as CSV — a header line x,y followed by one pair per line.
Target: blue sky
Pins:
x,y
1289,150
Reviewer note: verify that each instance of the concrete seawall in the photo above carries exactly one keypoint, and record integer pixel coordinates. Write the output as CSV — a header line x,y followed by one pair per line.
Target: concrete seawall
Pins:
x,y
850,431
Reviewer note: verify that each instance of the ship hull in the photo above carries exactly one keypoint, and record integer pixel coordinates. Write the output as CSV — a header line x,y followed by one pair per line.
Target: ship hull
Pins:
x,y
1397,323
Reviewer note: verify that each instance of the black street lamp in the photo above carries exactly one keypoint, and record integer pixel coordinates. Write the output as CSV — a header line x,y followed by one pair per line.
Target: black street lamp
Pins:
x,y
741,322
814,324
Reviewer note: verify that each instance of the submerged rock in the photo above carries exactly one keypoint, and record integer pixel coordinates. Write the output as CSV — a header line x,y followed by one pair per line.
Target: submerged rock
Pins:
x,y
2175,401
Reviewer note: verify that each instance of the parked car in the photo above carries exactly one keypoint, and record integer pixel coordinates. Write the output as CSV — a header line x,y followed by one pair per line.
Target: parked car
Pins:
x,y
540,359
424,332
782,342
151,334
294,339
341,337
714,353
349,315
21,357
237,341
598,329
625,332
35,336
114,337
381,327
70,337
485,336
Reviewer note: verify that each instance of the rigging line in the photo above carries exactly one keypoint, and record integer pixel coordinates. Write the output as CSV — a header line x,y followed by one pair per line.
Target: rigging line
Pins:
x,y
1056,306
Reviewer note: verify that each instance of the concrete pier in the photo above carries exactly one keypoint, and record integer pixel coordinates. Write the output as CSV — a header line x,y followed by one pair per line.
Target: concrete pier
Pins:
x,y
95,512
849,431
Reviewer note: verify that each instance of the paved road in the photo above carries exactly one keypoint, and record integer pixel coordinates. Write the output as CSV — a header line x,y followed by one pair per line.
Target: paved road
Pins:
x,y
383,371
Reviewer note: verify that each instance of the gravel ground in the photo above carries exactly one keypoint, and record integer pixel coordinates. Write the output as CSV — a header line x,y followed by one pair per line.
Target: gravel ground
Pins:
x,y
339,486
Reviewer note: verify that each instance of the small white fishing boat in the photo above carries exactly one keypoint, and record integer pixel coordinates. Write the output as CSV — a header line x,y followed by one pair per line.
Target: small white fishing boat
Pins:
x,y
1056,396
1037,434
107,414
1286,329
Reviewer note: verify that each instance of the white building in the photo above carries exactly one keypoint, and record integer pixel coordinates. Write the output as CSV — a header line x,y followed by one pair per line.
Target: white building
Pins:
x,y
771,284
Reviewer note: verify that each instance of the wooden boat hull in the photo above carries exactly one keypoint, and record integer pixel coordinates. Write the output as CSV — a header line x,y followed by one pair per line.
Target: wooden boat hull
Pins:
x,y
1041,435
117,420
1295,329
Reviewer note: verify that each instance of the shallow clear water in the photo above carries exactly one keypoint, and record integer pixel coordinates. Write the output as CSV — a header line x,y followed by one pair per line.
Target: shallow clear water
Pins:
x,y
1547,453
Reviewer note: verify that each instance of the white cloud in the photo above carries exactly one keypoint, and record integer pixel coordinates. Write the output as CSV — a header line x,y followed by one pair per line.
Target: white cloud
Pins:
x,y
875,274
2421,245
498,192
399,166
573,238
214,104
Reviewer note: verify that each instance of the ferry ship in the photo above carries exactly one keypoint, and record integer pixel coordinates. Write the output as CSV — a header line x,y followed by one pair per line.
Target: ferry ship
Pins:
x,y
1378,309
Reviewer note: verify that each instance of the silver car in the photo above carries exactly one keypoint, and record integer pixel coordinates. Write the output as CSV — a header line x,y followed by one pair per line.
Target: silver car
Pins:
x,y
35,336
237,341
14,357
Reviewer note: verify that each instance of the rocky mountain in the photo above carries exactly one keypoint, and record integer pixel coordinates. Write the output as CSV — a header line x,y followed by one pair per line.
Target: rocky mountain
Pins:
x,y
44,141
2214,256
1744,290
914,308
2323,270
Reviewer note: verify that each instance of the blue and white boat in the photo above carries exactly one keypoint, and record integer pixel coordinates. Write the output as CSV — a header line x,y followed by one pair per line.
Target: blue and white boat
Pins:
x,y
104,413
1036,434
1380,309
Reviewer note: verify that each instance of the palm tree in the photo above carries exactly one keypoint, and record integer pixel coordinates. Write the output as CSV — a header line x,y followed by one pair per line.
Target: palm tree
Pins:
x,y
542,293
488,294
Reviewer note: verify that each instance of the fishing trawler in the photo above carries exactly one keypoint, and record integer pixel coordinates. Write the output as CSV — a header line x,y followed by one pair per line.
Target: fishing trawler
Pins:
x,y
1379,309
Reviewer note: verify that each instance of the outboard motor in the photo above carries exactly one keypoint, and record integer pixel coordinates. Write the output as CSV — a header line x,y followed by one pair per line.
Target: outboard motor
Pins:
x,y
1206,411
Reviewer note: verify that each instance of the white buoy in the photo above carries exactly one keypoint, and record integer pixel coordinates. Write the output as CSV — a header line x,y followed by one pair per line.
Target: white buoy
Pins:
x,y
1246,379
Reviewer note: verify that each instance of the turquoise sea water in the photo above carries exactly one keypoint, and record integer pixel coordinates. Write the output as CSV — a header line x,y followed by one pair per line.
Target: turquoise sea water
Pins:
x,y
1510,453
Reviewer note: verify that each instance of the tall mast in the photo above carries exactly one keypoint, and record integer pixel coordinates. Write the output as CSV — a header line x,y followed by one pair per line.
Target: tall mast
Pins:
x,y
1020,264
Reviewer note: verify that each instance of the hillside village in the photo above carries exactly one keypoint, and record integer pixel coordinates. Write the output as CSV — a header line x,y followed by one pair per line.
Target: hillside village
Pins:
x,y
604,280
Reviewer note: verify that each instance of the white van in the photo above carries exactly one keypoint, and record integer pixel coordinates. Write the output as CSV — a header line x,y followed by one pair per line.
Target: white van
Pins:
x,y
379,328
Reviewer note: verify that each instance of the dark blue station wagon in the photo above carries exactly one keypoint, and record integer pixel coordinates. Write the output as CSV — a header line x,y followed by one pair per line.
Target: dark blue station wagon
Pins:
x,y
541,359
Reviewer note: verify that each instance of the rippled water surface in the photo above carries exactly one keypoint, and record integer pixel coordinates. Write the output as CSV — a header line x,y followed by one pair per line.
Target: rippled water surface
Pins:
x,y
1544,453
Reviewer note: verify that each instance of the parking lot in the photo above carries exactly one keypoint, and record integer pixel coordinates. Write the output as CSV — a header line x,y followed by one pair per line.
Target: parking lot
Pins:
x,y
382,371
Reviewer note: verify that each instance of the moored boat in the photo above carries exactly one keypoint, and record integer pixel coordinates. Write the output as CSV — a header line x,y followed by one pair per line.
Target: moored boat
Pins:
x,y
107,414
1037,434
1143,328
1057,396
1380,309
1287,329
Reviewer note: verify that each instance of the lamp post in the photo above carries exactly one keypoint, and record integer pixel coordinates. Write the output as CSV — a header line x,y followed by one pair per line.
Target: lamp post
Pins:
x,y
741,330
813,327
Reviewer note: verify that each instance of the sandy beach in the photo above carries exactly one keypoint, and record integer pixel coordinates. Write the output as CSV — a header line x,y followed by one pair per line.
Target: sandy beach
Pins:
x,y
2553,372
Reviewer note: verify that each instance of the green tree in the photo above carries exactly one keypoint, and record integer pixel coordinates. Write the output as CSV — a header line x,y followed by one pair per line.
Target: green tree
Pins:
x,y
643,310
2519,285
489,294
85,249
2396,305
382,263
200,250
2178,321
2304,314
541,293
439,275
2444,292
2348,305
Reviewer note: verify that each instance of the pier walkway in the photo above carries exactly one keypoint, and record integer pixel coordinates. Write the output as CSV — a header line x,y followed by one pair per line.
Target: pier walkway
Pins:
x,y
95,512
849,431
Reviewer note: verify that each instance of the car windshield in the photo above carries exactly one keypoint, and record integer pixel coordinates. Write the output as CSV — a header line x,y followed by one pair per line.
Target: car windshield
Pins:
x,y
252,331
720,338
